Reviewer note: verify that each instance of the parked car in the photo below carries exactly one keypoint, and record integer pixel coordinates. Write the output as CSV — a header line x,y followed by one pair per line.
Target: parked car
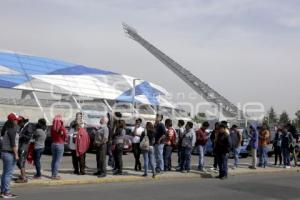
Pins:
x,y
244,153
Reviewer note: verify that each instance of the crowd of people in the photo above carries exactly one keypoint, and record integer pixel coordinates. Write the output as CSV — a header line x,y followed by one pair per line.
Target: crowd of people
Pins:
x,y
25,141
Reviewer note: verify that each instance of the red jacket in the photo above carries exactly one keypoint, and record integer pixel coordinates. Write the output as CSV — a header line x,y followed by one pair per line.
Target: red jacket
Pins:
x,y
201,137
82,142
59,137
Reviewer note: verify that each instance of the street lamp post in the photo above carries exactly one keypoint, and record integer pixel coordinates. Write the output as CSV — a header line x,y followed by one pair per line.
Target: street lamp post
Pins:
x,y
133,94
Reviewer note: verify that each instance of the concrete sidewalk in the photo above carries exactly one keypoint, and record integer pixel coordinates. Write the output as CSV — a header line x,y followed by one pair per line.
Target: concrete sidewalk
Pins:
x,y
129,176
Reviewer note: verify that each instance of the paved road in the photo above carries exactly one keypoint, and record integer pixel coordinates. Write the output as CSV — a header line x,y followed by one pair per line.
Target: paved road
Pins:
x,y
264,187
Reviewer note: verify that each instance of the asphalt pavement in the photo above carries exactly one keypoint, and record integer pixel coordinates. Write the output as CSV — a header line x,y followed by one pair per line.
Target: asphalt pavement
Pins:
x,y
283,186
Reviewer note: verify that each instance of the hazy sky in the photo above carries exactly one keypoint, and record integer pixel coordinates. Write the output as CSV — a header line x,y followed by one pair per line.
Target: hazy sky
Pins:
x,y
248,50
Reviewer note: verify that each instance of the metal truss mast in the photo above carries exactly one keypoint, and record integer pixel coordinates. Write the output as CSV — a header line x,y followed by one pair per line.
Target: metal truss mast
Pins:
x,y
208,93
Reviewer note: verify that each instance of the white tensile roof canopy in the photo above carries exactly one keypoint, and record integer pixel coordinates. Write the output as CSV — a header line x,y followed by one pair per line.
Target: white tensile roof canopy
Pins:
x,y
32,73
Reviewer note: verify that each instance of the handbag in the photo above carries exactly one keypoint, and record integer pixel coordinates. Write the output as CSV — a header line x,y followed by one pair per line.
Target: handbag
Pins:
x,y
145,143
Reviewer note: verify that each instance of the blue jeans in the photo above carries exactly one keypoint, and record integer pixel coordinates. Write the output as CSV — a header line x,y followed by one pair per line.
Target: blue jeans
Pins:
x,y
57,155
149,160
158,151
168,157
37,154
286,156
263,156
9,163
185,158
222,160
201,150
111,161
236,154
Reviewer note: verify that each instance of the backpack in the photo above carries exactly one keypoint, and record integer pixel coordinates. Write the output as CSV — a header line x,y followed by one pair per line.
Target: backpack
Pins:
x,y
145,143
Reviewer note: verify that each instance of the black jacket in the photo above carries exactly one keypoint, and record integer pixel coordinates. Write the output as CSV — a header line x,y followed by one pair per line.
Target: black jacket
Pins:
x,y
223,144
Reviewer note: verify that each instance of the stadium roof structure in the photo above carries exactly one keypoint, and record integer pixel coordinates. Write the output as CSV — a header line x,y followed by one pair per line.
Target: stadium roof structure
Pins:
x,y
32,73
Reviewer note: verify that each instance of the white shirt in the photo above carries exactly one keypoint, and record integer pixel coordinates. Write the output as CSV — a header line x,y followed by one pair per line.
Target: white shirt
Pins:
x,y
137,137
72,137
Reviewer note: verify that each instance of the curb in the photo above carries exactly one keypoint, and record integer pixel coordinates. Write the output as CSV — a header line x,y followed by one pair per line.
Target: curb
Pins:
x,y
96,180
262,171
121,179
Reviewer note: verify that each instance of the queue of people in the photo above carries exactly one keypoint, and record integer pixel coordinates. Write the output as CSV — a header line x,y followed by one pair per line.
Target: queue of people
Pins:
x,y
155,142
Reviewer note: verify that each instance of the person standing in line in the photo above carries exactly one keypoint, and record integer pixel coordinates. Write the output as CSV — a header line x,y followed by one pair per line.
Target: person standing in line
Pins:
x,y
188,142
236,141
110,126
160,131
39,137
72,135
169,141
223,147
277,146
286,141
253,135
58,135
213,137
137,132
81,142
201,140
26,134
263,137
293,131
148,152
179,136
118,142
9,153
101,138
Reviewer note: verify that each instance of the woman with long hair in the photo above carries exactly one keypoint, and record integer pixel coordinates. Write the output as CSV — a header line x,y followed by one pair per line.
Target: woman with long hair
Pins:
x,y
147,148
58,134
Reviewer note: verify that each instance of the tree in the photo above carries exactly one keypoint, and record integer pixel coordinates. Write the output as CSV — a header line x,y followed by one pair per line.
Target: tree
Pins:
x,y
284,118
297,120
199,118
272,116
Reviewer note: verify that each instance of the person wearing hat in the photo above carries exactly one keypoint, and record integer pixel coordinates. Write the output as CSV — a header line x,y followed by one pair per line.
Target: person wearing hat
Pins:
x,y
9,153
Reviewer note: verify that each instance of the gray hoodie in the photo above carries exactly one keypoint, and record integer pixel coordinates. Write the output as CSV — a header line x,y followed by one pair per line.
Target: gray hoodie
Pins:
x,y
189,138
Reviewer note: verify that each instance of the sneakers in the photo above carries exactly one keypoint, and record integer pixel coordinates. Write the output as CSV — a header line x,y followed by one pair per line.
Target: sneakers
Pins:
x,y
102,176
97,174
9,196
36,177
22,180
287,167
56,178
